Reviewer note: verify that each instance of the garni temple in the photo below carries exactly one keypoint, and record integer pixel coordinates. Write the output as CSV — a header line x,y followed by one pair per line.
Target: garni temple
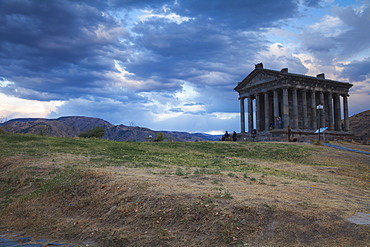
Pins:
x,y
276,101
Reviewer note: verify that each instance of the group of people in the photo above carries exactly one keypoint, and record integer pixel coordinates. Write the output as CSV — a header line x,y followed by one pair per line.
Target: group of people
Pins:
x,y
228,137
279,122
234,137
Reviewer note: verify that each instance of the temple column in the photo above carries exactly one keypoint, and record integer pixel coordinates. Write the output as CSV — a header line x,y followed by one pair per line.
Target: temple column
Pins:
x,y
295,109
326,110
345,108
330,111
313,110
322,112
267,111
337,112
242,115
321,98
258,112
250,114
285,108
276,108
304,107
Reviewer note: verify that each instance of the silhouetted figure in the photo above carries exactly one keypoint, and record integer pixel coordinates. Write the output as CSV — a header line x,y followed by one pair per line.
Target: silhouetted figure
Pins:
x,y
226,136
235,138
289,133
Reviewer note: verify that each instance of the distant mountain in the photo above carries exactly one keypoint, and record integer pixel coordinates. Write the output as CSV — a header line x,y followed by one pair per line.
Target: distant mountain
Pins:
x,y
360,125
73,126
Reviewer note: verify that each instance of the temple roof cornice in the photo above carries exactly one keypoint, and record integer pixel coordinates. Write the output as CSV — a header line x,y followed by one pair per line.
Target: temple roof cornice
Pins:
x,y
261,80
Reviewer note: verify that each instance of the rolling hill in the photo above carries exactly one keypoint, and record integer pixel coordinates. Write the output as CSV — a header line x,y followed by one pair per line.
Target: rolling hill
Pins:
x,y
360,125
74,125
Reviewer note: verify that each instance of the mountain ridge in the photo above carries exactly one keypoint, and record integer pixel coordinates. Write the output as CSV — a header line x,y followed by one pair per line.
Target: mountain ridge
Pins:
x,y
72,126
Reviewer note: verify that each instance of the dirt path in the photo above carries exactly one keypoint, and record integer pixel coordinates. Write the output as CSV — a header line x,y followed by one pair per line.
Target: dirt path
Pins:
x,y
354,146
348,147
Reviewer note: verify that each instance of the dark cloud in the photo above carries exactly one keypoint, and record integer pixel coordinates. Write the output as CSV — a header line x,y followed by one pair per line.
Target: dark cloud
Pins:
x,y
238,14
216,39
193,104
312,3
357,70
344,42
66,49
50,46
190,51
357,38
176,110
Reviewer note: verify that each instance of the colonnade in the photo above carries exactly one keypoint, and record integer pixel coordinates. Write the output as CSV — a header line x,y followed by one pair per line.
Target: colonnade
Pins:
x,y
278,108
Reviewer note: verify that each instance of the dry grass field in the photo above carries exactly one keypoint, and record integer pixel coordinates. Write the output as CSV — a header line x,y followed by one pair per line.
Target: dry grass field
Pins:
x,y
102,193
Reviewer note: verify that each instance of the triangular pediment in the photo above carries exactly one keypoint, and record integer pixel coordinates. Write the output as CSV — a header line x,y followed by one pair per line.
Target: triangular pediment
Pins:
x,y
257,77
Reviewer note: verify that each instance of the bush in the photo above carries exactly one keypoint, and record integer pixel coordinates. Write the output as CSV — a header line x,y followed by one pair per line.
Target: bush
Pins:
x,y
316,142
159,137
97,132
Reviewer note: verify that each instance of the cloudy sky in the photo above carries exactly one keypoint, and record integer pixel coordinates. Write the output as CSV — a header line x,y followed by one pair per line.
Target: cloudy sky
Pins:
x,y
171,64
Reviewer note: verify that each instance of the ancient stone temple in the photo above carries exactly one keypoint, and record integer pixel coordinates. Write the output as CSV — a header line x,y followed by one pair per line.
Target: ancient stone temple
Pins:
x,y
278,99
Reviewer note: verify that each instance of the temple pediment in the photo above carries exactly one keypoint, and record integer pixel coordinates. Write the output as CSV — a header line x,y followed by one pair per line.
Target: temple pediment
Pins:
x,y
257,78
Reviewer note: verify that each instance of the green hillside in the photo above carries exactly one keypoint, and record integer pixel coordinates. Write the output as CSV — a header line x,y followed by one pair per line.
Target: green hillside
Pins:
x,y
107,193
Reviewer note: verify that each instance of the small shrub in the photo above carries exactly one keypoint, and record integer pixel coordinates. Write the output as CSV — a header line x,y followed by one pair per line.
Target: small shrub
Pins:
x,y
97,132
307,204
159,137
227,195
271,208
222,193
215,181
287,182
206,171
180,172
316,142
261,181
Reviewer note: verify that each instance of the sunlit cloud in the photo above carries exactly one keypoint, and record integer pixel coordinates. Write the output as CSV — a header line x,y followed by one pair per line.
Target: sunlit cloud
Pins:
x,y
171,17
12,107
329,26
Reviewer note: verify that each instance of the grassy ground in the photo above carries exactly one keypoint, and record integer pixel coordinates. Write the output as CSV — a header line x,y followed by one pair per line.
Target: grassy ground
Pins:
x,y
105,193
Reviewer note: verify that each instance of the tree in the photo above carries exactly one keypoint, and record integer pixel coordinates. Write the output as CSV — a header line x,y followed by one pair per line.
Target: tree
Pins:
x,y
159,137
97,132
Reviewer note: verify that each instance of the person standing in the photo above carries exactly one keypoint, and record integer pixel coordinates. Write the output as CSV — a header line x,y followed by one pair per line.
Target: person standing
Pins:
x,y
227,136
280,122
235,138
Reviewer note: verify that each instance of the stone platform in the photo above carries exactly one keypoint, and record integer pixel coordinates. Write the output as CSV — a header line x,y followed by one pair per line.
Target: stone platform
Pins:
x,y
297,135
